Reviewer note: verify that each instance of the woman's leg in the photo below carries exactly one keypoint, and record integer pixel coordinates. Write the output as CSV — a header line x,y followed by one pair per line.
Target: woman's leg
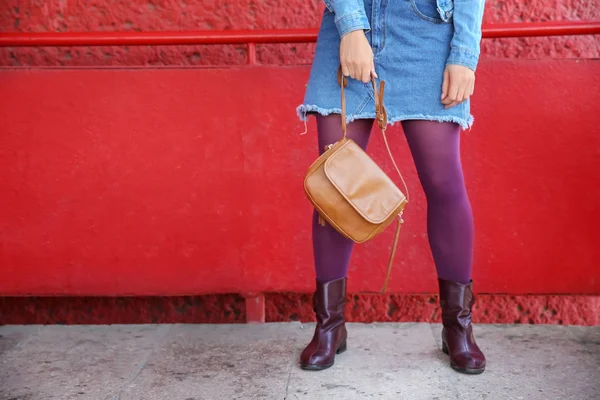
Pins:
x,y
436,150
332,255
331,250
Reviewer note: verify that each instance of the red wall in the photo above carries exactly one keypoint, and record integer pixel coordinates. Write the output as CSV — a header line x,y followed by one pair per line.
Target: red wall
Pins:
x,y
187,181
140,182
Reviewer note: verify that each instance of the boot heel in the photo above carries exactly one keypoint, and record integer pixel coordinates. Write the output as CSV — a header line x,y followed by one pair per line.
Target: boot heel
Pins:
x,y
343,347
445,348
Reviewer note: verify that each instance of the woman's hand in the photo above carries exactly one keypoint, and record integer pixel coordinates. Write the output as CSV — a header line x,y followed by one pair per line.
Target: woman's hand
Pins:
x,y
458,86
356,56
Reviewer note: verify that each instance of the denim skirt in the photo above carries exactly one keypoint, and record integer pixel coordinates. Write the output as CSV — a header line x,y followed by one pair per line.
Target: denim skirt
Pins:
x,y
410,45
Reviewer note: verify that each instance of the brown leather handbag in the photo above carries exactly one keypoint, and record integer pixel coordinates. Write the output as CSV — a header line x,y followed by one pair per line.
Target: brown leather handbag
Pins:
x,y
350,191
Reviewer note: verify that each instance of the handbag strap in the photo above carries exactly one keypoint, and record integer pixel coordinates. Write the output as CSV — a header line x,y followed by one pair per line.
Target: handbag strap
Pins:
x,y
380,112
381,118
392,254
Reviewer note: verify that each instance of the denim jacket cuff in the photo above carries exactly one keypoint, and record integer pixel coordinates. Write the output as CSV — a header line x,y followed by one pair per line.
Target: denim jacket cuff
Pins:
x,y
352,22
463,56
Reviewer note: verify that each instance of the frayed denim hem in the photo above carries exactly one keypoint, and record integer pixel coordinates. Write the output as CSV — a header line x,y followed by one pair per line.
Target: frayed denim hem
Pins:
x,y
305,109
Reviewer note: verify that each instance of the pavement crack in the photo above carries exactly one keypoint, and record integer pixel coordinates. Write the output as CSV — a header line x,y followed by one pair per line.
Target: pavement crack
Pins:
x,y
449,377
161,333
290,366
289,379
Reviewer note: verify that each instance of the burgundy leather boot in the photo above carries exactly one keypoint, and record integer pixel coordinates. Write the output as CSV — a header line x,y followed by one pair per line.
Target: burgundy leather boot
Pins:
x,y
458,341
330,335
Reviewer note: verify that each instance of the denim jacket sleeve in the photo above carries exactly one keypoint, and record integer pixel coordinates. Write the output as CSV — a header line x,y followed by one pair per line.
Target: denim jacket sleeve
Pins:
x,y
465,44
350,15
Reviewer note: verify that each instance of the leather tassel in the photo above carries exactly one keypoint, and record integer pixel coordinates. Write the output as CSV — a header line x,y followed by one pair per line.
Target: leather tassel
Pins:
x,y
321,220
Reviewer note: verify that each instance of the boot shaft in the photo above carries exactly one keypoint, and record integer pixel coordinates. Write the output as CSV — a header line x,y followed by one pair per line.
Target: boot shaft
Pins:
x,y
330,302
456,302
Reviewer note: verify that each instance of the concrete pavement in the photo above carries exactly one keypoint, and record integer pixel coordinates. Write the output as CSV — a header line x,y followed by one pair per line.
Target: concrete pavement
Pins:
x,y
214,362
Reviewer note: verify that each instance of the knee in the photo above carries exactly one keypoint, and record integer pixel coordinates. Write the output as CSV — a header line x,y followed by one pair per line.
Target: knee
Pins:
x,y
442,187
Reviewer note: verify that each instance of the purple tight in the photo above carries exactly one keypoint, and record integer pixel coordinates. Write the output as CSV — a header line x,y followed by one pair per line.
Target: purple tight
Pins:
x,y
435,148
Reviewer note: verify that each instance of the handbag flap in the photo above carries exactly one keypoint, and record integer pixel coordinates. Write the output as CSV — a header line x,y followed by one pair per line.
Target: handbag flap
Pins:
x,y
362,183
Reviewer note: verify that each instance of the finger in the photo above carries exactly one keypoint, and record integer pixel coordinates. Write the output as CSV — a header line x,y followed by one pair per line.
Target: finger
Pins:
x,y
350,68
366,73
470,88
445,84
464,92
373,70
452,94
455,102
356,73
345,69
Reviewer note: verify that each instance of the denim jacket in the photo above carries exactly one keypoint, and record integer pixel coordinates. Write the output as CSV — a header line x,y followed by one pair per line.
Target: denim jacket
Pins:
x,y
466,15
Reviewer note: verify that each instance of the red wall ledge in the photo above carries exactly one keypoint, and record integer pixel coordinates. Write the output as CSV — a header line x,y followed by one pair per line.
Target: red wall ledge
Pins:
x,y
286,307
556,28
